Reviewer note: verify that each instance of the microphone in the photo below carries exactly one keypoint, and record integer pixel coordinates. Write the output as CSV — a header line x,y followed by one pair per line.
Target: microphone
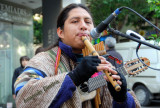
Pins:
x,y
95,33
134,34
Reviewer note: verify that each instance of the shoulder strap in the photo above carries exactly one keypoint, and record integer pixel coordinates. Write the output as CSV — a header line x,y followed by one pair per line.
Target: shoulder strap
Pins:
x,y
52,54
57,60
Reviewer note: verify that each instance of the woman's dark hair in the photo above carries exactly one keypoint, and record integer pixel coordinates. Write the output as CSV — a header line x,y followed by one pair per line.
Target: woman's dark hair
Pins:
x,y
62,18
39,49
26,58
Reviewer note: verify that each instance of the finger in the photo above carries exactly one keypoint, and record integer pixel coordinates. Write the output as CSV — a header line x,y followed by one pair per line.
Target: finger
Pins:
x,y
108,65
116,77
103,59
102,67
105,62
119,82
112,71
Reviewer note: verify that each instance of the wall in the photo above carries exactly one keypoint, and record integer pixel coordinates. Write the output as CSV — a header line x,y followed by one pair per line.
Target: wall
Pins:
x,y
16,40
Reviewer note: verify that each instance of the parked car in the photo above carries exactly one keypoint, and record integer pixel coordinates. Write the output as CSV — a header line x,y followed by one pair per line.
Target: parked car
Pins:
x,y
146,84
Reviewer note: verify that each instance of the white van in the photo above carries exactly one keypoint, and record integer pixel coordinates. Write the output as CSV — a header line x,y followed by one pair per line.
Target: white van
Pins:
x,y
146,85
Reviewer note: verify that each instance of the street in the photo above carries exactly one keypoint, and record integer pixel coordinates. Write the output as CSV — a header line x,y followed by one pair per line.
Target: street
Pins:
x,y
155,104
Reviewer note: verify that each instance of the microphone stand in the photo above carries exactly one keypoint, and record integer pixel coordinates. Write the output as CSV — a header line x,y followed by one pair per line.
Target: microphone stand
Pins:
x,y
132,38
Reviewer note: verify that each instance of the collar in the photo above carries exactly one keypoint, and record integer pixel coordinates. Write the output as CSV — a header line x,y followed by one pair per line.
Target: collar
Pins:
x,y
67,50
79,57
111,49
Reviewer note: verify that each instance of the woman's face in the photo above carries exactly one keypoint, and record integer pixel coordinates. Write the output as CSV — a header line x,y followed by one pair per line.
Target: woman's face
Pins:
x,y
24,62
79,23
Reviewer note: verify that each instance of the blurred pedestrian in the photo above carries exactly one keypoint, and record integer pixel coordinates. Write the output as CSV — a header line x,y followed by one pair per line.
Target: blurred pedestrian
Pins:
x,y
116,59
23,62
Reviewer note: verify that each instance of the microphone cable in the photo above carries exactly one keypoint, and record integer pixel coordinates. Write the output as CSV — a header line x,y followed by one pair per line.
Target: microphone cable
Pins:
x,y
139,16
142,61
140,43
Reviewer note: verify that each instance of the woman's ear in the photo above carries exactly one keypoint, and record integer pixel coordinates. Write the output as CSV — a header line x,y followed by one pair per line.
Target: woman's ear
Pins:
x,y
60,33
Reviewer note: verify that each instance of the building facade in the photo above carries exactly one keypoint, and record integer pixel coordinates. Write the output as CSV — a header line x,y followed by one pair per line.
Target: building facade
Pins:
x,y
16,40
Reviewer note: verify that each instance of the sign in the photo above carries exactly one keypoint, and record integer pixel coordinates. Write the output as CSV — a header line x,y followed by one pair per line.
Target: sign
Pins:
x,y
14,13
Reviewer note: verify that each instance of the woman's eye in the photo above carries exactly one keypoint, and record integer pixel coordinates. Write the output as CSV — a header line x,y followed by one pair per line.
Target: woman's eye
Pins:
x,y
88,22
74,21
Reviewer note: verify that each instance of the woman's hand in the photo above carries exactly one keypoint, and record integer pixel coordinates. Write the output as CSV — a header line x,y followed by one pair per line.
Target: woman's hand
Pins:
x,y
105,65
119,96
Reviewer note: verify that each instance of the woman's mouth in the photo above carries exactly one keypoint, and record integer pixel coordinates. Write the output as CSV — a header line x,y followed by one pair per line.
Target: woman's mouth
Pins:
x,y
83,34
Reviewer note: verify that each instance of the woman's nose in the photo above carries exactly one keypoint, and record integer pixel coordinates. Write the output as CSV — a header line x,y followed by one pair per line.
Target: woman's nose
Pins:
x,y
83,26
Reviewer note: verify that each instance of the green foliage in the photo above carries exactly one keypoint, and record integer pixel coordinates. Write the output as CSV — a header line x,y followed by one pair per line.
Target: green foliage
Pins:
x,y
101,9
37,25
155,6
154,37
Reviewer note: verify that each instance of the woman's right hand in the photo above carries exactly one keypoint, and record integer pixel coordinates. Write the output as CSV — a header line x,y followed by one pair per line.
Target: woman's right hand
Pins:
x,y
87,67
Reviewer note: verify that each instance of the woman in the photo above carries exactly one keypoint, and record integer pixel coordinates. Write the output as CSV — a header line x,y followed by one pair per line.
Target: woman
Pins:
x,y
52,77
23,62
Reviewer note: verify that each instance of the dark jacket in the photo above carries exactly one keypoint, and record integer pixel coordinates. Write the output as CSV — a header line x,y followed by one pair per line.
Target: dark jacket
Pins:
x,y
16,73
115,54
